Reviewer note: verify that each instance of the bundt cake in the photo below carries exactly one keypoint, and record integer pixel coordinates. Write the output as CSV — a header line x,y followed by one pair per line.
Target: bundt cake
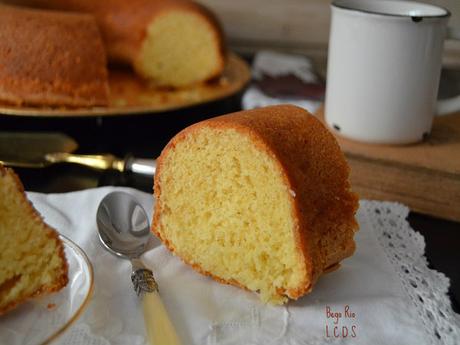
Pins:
x,y
172,42
32,260
259,199
51,59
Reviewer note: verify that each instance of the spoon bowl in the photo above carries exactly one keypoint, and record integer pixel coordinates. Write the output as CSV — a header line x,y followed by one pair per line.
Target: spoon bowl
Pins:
x,y
123,225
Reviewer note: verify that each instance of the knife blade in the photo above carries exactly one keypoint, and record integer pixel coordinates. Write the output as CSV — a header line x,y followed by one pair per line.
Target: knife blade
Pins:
x,y
28,149
42,149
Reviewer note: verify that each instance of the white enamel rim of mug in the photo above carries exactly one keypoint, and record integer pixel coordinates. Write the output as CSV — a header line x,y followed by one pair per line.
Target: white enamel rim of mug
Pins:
x,y
404,9
394,8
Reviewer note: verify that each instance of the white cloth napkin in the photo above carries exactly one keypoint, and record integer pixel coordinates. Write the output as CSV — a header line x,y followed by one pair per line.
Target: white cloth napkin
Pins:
x,y
276,64
376,285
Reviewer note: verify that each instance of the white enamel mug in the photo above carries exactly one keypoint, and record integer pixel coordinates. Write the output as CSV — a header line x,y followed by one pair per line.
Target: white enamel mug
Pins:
x,y
384,64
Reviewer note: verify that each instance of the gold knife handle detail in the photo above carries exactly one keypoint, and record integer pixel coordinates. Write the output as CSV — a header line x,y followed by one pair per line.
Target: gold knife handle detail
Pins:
x,y
99,162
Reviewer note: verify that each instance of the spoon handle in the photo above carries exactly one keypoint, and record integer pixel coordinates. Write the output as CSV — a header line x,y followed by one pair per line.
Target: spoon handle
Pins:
x,y
160,330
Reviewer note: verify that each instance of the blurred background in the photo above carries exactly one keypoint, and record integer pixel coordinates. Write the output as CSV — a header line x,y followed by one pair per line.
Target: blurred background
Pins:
x,y
300,26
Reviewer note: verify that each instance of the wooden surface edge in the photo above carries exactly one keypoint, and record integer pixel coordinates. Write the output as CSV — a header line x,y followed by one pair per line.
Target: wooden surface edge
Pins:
x,y
396,174
421,190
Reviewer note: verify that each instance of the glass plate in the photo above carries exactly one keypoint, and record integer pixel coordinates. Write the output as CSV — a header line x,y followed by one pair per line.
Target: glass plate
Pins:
x,y
42,320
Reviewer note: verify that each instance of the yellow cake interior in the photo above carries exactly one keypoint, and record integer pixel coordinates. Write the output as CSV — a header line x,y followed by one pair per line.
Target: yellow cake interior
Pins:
x,y
30,261
225,207
180,48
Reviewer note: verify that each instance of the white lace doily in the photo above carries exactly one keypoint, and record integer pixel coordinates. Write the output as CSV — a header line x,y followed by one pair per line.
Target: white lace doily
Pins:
x,y
427,288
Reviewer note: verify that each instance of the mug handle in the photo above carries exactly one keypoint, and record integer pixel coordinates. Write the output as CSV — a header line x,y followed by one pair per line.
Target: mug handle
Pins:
x,y
449,105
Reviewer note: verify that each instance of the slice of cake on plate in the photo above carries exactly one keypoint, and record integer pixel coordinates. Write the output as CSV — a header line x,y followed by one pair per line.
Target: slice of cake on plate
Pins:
x,y
32,260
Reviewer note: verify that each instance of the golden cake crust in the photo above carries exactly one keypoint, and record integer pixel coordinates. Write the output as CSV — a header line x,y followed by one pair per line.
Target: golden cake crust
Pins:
x,y
53,235
50,58
315,171
123,24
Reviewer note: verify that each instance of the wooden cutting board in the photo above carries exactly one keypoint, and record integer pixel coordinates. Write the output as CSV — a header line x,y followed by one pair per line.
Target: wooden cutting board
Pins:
x,y
423,176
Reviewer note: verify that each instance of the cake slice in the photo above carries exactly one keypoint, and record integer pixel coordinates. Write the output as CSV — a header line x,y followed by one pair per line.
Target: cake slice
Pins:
x,y
32,261
50,58
259,199
173,43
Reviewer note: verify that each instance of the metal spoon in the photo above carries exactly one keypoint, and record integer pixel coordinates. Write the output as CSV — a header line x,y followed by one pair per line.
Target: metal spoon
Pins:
x,y
124,230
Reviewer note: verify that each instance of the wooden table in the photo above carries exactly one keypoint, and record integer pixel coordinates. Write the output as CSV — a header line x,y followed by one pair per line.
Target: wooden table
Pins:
x,y
424,176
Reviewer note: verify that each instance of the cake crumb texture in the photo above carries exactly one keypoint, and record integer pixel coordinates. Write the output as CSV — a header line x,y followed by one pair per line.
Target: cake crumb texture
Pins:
x,y
259,199
182,47
32,260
